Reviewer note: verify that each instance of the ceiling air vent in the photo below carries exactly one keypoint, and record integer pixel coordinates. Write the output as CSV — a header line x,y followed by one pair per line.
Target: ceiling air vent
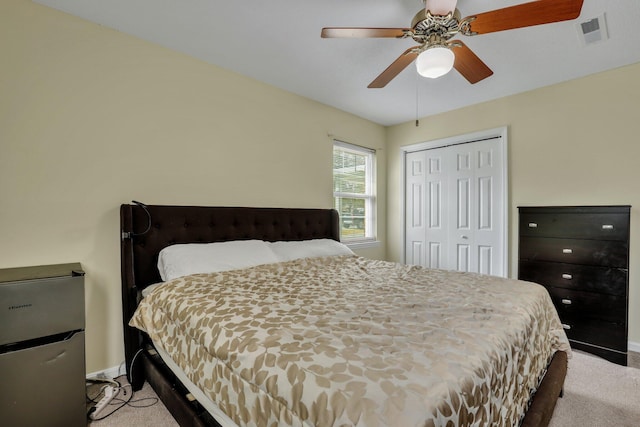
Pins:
x,y
593,30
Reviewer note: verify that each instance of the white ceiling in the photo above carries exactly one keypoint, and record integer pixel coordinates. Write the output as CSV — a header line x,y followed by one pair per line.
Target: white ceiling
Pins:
x,y
278,42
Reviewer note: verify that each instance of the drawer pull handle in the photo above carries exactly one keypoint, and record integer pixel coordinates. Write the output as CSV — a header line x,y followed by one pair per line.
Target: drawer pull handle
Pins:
x,y
565,326
533,225
566,301
567,251
567,276
607,226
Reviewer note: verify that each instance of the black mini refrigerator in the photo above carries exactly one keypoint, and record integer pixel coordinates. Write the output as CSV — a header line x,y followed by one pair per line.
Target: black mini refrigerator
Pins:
x,y
42,363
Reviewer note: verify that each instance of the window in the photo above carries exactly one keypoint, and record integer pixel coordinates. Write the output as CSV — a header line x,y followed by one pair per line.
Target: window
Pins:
x,y
354,191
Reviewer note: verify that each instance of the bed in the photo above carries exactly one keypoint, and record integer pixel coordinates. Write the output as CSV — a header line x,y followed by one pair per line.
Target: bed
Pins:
x,y
522,389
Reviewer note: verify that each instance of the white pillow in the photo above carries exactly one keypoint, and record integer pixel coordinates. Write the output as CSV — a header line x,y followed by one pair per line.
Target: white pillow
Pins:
x,y
193,258
290,250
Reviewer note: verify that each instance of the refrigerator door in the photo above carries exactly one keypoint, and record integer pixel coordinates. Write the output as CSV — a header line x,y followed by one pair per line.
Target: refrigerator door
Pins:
x,y
40,307
44,385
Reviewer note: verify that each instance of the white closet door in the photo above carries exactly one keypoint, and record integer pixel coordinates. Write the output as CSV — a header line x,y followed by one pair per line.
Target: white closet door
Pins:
x,y
454,208
426,195
415,214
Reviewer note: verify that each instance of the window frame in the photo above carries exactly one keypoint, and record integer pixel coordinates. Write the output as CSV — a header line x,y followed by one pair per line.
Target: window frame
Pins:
x,y
369,196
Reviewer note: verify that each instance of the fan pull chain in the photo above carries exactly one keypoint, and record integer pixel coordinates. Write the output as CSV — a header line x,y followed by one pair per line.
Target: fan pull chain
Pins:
x,y
417,87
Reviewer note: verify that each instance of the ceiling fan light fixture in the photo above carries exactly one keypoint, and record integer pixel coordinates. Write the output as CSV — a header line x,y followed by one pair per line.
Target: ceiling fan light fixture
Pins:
x,y
440,7
435,62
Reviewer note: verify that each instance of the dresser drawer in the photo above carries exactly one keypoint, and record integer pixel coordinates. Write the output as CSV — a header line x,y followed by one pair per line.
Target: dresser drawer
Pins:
x,y
604,280
575,251
584,225
589,305
596,333
594,318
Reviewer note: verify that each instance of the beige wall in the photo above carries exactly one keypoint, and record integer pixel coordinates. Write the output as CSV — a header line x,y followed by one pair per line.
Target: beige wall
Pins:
x,y
91,118
575,143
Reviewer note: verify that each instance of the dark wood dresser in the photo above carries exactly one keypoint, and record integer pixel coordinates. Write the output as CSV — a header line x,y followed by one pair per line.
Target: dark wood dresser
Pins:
x,y
581,255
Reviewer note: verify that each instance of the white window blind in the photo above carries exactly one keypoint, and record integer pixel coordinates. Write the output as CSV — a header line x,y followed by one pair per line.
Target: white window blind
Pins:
x,y
354,191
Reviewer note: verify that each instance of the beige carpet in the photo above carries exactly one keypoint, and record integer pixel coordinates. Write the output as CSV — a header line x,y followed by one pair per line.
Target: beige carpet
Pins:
x,y
143,410
597,394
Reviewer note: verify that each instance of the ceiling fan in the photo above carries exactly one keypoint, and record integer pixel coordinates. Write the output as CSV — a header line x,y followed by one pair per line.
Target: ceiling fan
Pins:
x,y
434,26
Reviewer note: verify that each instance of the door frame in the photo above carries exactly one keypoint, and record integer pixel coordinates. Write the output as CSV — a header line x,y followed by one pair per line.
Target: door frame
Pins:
x,y
501,134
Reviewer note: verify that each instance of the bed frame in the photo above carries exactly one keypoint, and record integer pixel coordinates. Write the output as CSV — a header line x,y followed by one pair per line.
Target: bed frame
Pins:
x,y
145,230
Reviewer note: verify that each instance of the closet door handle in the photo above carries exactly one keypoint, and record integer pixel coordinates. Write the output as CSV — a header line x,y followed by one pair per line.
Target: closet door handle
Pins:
x,y
567,251
567,276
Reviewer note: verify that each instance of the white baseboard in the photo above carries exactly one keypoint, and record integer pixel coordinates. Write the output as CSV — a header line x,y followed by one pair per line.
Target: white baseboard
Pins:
x,y
113,372
634,346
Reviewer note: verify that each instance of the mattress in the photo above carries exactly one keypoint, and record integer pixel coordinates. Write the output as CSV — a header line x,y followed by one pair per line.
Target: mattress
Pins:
x,y
346,340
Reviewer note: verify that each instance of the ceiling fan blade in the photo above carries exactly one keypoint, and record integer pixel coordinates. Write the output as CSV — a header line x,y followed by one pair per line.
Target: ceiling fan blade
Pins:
x,y
331,32
468,64
526,15
394,69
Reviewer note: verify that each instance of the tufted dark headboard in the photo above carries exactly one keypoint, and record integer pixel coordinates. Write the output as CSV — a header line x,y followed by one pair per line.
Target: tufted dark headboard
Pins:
x,y
200,224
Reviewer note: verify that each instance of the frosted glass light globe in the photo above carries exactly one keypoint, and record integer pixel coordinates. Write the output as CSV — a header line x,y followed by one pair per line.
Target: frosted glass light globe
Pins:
x,y
435,62
440,7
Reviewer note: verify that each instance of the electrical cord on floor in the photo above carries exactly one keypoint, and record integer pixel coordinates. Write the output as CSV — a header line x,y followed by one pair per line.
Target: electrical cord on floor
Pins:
x,y
103,381
118,402
138,402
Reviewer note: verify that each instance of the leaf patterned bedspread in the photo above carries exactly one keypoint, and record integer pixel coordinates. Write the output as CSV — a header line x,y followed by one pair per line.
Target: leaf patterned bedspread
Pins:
x,y
345,340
